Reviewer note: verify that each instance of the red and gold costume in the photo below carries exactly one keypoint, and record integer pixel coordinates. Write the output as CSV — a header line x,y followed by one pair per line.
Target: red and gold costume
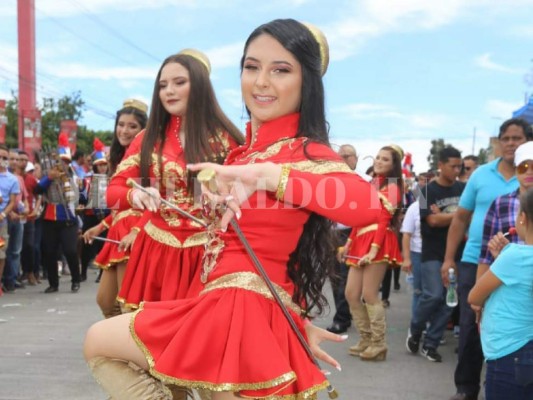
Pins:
x,y
378,234
119,223
233,336
168,250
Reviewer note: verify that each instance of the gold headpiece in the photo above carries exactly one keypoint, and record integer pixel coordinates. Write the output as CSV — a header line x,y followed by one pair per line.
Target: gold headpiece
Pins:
x,y
134,103
198,55
322,43
397,149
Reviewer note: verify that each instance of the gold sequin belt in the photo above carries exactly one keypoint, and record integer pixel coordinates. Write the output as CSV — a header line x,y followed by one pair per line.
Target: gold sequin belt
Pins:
x,y
369,228
254,283
126,213
167,238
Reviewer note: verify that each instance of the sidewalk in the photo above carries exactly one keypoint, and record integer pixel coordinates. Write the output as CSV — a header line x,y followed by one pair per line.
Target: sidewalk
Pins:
x,y
41,338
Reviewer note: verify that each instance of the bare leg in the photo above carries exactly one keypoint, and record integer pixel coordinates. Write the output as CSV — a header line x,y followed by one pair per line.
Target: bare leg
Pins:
x,y
107,293
120,269
372,277
111,338
354,286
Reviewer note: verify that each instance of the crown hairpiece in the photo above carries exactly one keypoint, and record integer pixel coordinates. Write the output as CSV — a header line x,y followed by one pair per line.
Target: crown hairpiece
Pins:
x,y
397,149
322,44
134,103
199,56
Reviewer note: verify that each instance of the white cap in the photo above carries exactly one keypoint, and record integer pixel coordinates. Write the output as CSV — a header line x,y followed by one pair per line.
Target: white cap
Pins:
x,y
523,152
29,167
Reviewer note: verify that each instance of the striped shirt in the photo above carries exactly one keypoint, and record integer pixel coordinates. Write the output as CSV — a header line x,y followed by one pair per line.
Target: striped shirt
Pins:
x,y
500,217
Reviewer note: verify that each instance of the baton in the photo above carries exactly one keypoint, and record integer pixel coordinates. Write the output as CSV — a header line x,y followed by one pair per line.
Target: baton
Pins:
x,y
353,257
183,213
106,239
206,177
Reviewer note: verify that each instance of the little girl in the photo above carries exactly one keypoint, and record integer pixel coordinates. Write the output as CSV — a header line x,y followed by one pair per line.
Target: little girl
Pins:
x,y
506,294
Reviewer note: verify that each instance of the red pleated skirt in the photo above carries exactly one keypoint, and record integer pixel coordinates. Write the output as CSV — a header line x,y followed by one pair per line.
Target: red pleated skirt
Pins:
x,y
389,252
228,339
157,271
109,255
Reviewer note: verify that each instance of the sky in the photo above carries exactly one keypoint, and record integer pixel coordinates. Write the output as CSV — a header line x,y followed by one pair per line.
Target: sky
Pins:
x,y
401,71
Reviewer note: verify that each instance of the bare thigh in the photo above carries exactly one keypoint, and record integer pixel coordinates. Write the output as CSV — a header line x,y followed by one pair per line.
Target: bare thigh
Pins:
x,y
107,290
354,286
120,271
372,277
112,338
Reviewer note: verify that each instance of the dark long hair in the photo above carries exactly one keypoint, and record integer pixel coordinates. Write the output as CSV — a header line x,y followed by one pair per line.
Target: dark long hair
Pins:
x,y
116,150
311,263
395,175
204,120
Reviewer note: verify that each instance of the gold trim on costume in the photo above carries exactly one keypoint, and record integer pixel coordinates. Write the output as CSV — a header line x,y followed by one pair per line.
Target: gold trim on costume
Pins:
x,y
368,228
321,167
270,151
284,379
131,161
252,282
126,213
283,180
167,238
386,203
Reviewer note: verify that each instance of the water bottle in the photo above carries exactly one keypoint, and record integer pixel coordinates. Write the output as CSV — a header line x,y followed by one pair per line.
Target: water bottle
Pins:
x,y
409,279
451,294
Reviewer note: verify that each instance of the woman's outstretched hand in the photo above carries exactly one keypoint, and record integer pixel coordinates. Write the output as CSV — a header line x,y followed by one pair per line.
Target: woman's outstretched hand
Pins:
x,y
316,336
234,184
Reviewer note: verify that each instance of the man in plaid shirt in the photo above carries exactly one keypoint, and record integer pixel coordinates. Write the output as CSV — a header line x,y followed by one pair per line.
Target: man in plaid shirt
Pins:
x,y
503,211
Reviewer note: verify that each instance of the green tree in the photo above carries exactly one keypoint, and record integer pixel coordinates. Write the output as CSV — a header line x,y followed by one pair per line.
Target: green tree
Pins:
x,y
53,111
433,157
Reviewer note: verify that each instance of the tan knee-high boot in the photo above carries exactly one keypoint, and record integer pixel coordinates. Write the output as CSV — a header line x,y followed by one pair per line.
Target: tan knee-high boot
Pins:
x,y
378,349
180,393
126,381
362,322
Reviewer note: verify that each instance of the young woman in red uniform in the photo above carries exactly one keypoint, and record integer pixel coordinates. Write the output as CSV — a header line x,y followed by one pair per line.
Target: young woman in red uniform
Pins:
x,y
282,186
370,250
130,120
186,125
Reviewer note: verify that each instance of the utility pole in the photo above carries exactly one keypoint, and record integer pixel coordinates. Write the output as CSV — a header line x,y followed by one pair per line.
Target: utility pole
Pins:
x,y
29,117
474,142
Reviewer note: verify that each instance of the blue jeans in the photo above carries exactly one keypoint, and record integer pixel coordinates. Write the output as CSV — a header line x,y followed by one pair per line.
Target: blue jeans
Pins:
x,y
511,377
432,306
14,247
470,355
416,265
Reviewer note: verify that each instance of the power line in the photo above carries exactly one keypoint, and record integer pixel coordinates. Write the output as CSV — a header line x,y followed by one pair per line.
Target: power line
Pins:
x,y
114,32
74,33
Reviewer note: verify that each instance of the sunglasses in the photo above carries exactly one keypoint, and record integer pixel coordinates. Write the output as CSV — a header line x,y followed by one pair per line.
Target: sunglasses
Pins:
x,y
523,167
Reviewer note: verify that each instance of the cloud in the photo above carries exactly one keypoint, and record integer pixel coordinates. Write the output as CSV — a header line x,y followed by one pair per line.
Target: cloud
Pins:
x,y
484,61
84,71
414,122
499,109
373,18
225,56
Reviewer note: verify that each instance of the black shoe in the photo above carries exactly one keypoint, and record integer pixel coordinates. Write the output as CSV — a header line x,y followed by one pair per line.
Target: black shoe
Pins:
x,y
51,289
412,344
75,287
19,285
337,328
431,354
9,288
396,286
386,303
83,277
463,396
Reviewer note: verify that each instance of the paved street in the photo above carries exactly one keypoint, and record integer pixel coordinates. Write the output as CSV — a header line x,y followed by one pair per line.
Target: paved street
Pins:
x,y
41,338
